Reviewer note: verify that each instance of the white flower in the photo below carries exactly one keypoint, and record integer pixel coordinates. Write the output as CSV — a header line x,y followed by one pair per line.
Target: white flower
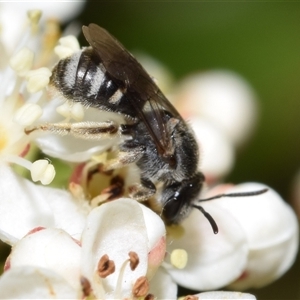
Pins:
x,y
257,241
122,245
21,89
271,229
24,206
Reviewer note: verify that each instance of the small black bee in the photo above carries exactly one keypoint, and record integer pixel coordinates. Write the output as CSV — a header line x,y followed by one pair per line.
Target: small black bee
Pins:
x,y
107,77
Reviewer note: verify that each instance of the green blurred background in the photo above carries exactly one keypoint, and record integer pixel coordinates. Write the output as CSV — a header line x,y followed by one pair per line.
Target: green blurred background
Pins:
x,y
260,41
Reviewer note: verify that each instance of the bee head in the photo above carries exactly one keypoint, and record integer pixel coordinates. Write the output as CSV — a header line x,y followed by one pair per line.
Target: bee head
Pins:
x,y
178,198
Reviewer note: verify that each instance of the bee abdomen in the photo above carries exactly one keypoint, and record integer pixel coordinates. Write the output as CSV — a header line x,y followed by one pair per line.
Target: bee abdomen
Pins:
x,y
83,78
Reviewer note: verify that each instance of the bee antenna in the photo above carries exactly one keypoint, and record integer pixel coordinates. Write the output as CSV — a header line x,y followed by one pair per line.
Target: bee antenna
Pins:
x,y
210,219
244,194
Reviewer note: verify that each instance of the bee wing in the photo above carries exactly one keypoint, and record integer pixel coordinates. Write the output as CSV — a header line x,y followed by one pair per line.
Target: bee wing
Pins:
x,y
149,102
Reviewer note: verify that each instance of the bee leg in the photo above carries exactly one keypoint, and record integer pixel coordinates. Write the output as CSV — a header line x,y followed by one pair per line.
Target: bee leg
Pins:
x,y
143,191
129,153
83,130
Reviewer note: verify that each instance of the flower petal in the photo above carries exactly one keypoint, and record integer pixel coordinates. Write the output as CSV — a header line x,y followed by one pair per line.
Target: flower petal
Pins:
x,y
156,233
154,226
162,286
30,282
114,229
69,213
213,260
271,228
21,206
52,249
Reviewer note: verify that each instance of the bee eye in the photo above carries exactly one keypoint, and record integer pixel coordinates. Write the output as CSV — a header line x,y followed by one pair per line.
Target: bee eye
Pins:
x,y
175,198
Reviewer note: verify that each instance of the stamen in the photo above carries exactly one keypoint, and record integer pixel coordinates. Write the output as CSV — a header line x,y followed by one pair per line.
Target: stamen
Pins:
x,y
179,258
22,61
28,114
105,266
67,46
85,286
141,287
42,170
38,79
134,260
15,159
118,289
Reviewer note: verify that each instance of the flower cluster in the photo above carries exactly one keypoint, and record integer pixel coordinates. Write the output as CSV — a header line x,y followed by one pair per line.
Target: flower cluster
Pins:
x,y
90,240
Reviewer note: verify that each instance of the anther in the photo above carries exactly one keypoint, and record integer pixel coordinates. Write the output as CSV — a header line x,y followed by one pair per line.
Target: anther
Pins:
x,y
105,266
179,258
22,61
28,114
134,260
85,286
42,170
141,287
67,46
37,79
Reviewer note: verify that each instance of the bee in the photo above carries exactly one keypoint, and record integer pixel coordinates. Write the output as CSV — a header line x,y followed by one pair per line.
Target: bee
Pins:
x,y
162,145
